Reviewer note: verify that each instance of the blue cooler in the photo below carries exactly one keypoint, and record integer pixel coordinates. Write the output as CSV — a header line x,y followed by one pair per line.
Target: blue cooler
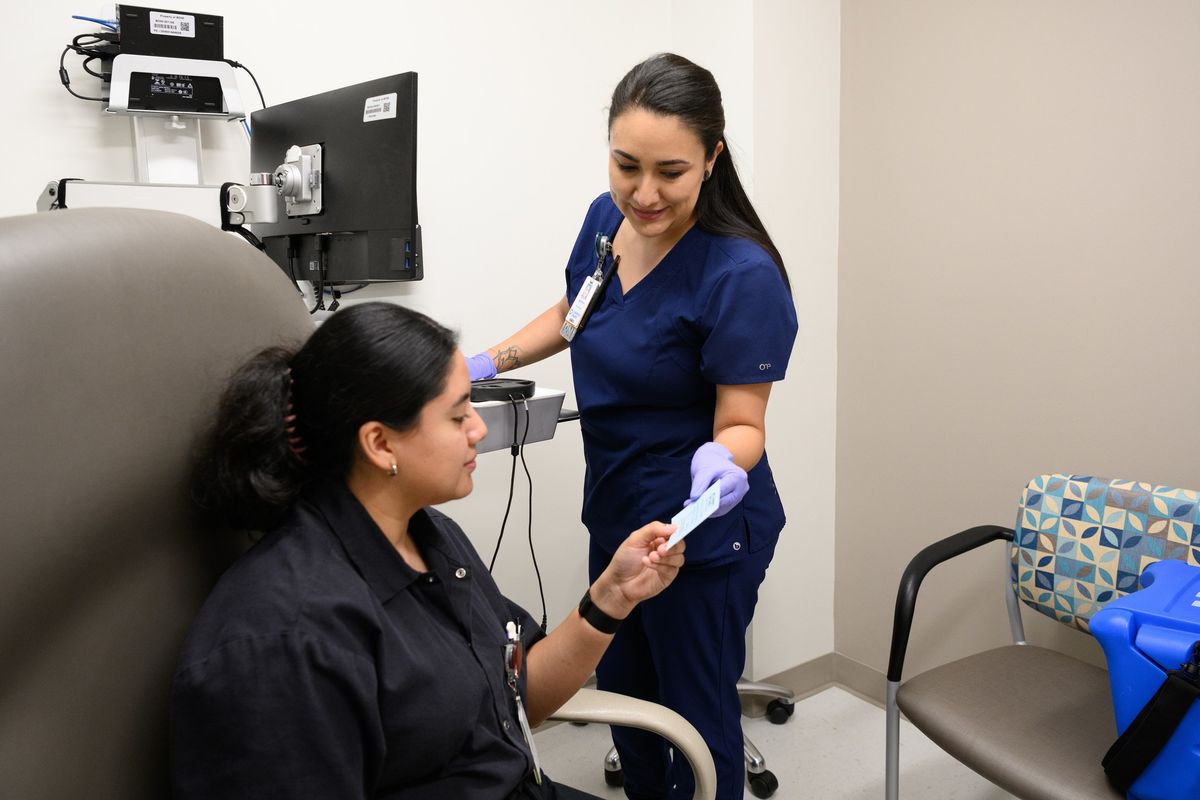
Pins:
x,y
1145,634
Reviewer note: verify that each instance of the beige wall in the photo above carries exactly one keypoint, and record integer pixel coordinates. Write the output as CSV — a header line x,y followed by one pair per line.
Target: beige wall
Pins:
x,y
1018,282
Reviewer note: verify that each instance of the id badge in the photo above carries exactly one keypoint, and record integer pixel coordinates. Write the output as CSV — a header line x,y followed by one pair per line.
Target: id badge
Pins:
x,y
583,300
514,664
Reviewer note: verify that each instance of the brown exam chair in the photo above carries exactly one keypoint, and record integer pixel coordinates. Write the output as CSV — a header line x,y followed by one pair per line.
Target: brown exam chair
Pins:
x,y
117,329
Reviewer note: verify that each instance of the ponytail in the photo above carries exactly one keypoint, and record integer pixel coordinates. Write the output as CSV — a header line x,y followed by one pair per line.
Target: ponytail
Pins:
x,y
291,416
725,209
248,472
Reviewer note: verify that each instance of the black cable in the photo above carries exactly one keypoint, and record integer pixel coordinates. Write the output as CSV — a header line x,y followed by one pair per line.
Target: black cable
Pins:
x,y
512,480
91,71
66,78
237,65
249,237
91,46
291,259
108,44
321,267
529,479
518,449
344,290
1191,667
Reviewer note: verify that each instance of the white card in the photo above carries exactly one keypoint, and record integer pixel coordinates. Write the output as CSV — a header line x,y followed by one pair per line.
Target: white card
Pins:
x,y
697,512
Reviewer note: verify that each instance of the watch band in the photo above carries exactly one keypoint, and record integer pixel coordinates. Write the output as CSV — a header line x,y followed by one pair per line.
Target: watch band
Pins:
x,y
595,617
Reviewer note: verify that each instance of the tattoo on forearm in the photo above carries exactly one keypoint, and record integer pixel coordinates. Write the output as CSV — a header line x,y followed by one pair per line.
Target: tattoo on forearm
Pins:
x,y
507,359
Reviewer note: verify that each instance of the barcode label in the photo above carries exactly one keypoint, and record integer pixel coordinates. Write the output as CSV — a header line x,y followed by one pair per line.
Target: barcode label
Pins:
x,y
166,24
380,107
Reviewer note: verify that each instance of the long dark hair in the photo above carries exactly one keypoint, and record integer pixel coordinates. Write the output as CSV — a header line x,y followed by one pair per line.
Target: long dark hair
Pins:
x,y
291,415
670,85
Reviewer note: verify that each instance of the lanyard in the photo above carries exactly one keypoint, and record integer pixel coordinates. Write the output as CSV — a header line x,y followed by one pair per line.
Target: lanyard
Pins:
x,y
514,662
594,287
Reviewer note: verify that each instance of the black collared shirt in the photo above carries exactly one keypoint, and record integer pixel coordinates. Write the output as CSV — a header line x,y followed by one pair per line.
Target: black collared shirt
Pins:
x,y
323,666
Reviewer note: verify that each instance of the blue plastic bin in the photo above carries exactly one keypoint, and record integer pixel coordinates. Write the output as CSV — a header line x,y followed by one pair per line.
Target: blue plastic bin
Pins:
x,y
1144,634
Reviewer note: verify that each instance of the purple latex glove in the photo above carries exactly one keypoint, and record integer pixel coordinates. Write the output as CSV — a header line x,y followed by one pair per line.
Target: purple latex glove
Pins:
x,y
710,462
481,367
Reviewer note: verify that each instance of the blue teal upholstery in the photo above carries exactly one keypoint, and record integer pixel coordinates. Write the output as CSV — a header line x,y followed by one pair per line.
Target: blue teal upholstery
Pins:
x,y
1082,541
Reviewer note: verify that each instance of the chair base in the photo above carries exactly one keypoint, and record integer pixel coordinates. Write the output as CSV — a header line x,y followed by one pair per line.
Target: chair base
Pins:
x,y
782,700
762,781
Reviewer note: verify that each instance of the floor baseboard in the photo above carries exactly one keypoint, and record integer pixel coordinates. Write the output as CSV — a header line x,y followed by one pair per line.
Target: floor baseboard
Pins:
x,y
830,669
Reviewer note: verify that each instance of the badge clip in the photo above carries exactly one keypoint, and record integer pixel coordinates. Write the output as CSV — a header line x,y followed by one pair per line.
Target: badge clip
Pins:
x,y
594,287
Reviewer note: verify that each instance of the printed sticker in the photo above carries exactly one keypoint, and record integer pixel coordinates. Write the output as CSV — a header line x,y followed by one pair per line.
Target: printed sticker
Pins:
x,y
381,107
166,24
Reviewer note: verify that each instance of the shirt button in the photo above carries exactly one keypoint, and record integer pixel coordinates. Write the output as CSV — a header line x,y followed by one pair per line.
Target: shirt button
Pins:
x,y
430,578
461,572
737,545
507,724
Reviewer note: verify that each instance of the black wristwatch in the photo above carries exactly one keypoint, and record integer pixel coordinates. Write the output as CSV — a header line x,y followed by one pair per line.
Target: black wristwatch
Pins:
x,y
595,617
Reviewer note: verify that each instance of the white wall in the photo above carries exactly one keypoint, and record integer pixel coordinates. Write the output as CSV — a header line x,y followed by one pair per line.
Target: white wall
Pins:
x,y
513,102
796,122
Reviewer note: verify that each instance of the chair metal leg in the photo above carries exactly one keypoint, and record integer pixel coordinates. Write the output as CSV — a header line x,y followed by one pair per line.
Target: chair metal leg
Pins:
x,y
763,782
767,690
892,745
755,763
613,776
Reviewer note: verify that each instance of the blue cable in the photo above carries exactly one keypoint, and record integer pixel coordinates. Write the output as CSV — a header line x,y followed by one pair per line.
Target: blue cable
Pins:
x,y
108,23
246,126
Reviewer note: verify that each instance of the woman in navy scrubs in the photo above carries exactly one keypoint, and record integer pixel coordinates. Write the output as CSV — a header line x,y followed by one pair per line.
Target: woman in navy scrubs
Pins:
x,y
673,370
361,649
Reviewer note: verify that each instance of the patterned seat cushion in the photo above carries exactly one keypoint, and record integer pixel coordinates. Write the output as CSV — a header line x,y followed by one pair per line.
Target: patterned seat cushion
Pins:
x,y
1082,541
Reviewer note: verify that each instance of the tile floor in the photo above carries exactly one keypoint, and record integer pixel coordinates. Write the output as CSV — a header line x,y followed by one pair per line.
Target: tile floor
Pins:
x,y
831,749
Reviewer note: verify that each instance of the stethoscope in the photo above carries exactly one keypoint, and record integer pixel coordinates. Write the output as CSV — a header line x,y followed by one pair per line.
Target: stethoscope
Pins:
x,y
594,288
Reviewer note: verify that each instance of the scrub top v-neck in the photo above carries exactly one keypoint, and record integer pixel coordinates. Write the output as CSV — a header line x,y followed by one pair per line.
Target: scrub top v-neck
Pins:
x,y
714,310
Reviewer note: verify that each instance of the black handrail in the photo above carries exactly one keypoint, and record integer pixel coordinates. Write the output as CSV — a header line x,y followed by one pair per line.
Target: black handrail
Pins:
x,y
918,568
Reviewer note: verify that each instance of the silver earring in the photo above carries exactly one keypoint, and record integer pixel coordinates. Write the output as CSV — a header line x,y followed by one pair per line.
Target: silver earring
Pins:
x,y
393,471
707,174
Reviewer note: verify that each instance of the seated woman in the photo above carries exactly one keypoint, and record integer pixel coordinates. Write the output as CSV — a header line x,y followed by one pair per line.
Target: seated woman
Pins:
x,y
361,649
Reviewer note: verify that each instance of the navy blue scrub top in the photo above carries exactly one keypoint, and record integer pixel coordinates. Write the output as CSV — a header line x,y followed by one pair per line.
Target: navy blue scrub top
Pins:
x,y
322,665
714,311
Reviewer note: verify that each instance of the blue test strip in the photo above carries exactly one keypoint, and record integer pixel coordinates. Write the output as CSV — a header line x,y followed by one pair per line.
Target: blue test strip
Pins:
x,y
694,514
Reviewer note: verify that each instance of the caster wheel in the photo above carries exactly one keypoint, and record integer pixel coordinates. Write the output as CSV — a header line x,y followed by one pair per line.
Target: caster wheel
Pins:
x,y
779,712
614,777
762,784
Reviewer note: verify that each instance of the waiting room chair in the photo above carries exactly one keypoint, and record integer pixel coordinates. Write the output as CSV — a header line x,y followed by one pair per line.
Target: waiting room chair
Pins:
x,y
1033,721
118,328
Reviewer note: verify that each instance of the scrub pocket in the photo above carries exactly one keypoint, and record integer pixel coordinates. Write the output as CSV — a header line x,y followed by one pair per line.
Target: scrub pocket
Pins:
x,y
664,482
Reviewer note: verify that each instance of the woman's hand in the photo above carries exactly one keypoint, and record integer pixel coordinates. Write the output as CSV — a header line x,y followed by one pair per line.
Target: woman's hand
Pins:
x,y
561,662
713,462
641,568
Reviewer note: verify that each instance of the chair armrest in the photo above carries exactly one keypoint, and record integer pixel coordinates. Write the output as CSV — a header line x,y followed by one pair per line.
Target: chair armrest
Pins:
x,y
918,568
608,708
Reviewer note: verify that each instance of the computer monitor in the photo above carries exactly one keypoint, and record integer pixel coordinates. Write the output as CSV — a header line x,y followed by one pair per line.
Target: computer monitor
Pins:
x,y
366,229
